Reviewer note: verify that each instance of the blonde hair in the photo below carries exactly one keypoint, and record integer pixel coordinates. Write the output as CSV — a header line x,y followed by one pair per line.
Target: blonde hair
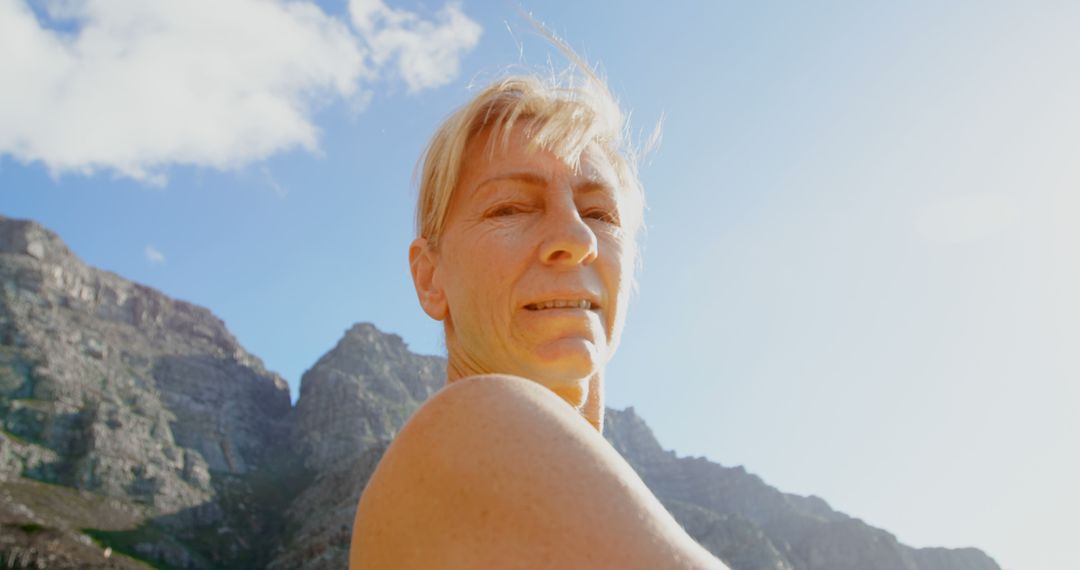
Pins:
x,y
564,114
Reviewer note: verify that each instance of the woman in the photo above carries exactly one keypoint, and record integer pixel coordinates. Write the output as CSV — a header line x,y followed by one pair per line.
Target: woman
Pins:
x,y
528,210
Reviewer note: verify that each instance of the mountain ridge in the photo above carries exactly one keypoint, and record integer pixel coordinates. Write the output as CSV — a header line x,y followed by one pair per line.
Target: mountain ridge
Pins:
x,y
115,391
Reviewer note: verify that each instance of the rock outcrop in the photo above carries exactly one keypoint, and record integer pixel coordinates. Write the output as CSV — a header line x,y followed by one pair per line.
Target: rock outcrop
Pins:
x,y
352,403
112,387
359,394
137,422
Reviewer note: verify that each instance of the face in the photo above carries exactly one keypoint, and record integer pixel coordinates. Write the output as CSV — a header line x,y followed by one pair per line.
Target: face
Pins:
x,y
532,273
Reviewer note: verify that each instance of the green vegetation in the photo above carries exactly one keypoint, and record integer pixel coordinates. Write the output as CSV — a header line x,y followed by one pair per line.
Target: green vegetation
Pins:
x,y
14,436
28,528
252,528
16,378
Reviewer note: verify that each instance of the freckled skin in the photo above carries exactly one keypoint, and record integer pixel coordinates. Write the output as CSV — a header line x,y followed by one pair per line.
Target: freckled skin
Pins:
x,y
505,467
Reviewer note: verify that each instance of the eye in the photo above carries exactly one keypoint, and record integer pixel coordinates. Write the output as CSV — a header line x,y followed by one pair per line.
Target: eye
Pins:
x,y
504,210
605,216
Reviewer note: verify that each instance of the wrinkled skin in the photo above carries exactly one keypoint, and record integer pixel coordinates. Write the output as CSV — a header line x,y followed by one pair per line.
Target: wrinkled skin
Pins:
x,y
523,228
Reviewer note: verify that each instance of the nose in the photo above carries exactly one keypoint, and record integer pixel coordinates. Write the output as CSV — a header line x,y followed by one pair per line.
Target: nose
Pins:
x,y
568,239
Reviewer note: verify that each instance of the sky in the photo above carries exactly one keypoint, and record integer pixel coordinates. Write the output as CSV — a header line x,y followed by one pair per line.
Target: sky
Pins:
x,y
861,268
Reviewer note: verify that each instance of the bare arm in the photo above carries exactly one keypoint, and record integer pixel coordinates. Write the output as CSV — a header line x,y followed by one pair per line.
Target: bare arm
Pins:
x,y
498,472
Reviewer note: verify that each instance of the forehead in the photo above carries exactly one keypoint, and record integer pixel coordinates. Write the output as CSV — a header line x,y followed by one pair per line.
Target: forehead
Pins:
x,y
492,153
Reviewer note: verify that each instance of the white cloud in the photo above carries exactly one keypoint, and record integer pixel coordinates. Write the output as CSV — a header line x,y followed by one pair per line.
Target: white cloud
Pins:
x,y
428,53
132,87
153,255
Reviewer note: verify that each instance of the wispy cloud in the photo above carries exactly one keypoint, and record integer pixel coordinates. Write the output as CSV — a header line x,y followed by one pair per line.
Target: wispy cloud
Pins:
x,y
153,255
133,87
279,190
427,53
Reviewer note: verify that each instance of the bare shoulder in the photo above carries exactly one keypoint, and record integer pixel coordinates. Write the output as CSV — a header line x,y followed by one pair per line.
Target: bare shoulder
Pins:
x,y
497,471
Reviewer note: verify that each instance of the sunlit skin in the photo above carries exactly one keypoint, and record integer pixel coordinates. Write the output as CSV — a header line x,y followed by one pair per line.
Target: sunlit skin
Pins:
x,y
524,228
499,469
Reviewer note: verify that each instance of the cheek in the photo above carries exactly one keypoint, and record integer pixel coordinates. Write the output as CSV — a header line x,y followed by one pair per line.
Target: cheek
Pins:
x,y
618,274
482,276
620,258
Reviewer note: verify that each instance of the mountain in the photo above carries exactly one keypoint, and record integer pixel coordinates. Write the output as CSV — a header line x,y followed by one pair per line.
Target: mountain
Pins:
x,y
114,389
750,524
136,428
352,403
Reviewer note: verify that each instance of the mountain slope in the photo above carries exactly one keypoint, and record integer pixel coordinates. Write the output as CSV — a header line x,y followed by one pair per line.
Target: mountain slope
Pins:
x,y
750,524
352,403
114,388
137,421
747,523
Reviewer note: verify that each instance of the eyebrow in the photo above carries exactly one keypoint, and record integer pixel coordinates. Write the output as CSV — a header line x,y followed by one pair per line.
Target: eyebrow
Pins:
x,y
585,187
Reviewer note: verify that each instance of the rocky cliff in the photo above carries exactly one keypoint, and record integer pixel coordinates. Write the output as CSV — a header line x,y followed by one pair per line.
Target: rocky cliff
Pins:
x,y
111,387
359,394
136,423
352,403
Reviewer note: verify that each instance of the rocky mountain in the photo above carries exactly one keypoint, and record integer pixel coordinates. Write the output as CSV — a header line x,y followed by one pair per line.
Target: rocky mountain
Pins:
x,y
750,524
113,388
136,429
359,394
352,403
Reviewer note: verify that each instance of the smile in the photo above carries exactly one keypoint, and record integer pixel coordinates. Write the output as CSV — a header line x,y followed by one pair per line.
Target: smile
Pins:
x,y
562,304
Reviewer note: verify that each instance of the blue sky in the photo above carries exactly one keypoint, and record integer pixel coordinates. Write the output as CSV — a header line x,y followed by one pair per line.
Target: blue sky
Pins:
x,y
861,268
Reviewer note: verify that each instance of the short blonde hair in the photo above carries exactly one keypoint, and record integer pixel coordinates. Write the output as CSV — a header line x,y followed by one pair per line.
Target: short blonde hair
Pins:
x,y
564,114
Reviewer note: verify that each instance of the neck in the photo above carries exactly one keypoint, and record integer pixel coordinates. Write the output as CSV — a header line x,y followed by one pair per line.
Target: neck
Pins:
x,y
586,396
590,404
593,410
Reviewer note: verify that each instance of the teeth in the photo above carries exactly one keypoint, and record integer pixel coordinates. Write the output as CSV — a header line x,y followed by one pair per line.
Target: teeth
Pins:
x,y
562,304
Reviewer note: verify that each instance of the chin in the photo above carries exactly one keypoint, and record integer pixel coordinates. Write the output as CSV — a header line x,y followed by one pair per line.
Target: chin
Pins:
x,y
566,362
571,348
569,380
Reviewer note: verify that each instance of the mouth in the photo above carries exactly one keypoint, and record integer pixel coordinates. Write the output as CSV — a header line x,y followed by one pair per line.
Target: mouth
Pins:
x,y
585,304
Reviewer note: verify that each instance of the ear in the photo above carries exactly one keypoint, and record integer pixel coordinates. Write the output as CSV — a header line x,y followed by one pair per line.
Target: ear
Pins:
x,y
423,263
